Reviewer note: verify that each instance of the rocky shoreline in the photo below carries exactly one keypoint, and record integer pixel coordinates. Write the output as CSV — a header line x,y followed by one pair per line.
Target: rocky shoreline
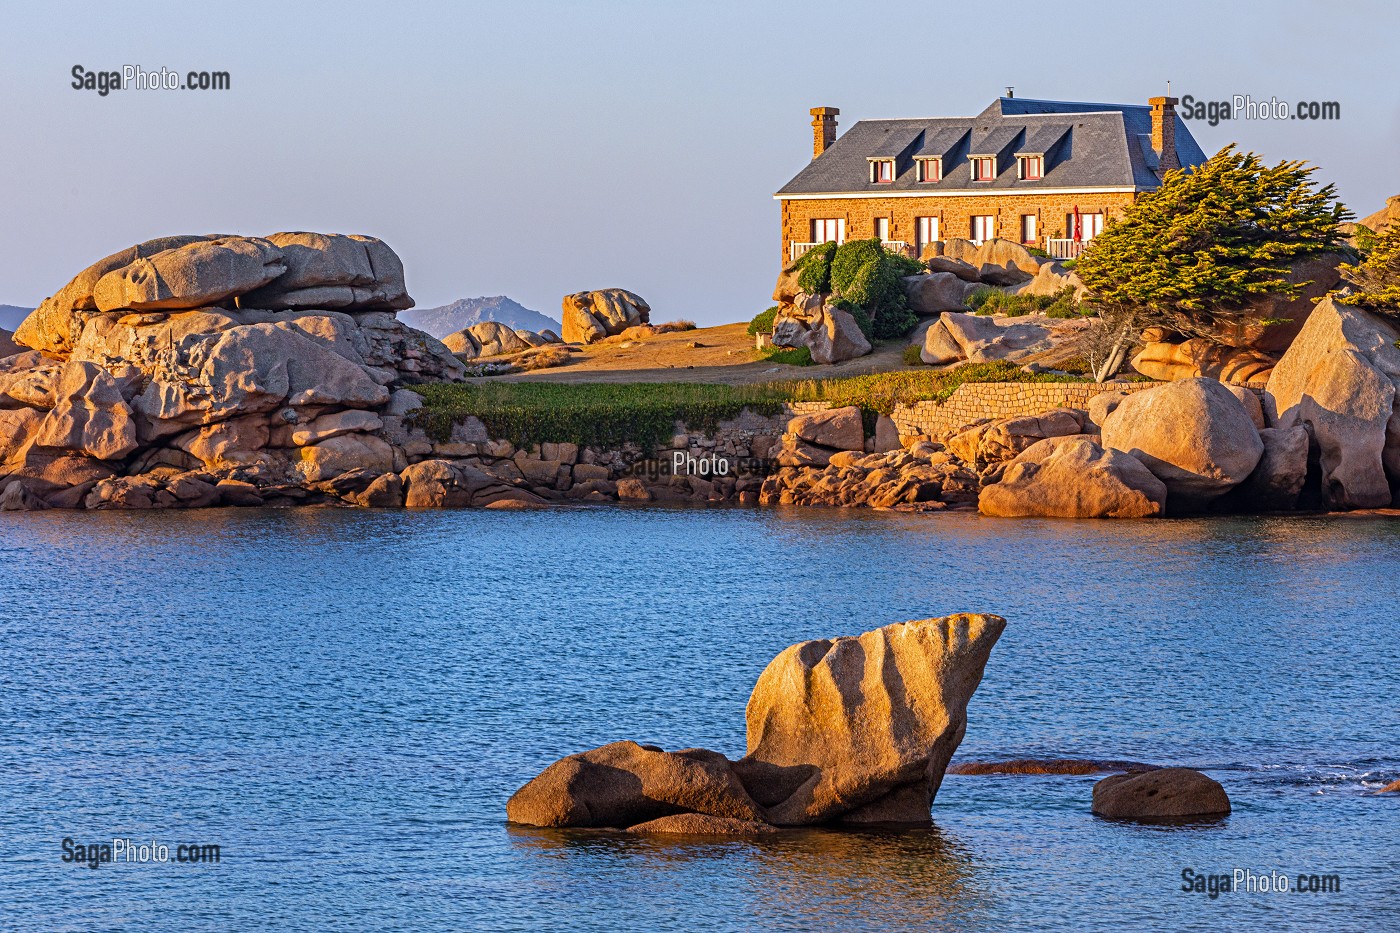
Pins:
x,y
205,371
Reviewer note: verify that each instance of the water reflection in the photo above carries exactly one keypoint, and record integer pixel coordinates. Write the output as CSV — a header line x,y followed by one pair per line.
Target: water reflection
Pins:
x,y
808,878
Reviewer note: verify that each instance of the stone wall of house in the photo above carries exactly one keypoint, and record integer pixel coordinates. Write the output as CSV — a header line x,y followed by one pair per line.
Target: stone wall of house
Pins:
x,y
954,214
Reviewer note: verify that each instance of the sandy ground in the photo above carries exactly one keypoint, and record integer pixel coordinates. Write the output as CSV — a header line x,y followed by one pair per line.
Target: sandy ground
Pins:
x,y
725,354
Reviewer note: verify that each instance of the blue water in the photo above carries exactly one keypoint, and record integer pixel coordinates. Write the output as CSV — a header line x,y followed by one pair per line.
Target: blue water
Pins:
x,y
343,700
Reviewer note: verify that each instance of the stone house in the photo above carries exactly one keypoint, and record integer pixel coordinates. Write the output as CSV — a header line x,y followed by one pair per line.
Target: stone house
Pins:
x,y
1041,173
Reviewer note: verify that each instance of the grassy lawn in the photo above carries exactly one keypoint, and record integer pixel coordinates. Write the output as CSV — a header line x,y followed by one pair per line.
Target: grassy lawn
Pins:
x,y
611,414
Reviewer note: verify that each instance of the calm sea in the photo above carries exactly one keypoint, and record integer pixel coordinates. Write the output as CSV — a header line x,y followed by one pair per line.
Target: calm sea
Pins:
x,y
343,700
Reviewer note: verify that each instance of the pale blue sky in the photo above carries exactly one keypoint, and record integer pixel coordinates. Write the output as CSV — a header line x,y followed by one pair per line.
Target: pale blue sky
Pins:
x,y
538,148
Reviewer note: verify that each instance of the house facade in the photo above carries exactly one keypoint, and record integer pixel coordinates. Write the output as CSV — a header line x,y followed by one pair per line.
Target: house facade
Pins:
x,y
1042,173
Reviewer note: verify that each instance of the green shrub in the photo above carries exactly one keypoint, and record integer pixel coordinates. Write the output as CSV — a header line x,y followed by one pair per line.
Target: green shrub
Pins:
x,y
673,327
987,301
867,275
911,355
792,356
1377,277
814,269
763,322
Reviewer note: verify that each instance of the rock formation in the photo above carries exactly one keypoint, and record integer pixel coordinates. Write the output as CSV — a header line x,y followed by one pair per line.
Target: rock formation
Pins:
x,y
1073,477
197,358
976,338
828,332
1189,359
1340,378
1194,435
489,338
851,730
590,316
1162,794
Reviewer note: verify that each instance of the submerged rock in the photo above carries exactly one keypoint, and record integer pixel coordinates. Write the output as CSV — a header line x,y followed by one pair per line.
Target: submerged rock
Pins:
x,y
1161,794
1047,766
701,824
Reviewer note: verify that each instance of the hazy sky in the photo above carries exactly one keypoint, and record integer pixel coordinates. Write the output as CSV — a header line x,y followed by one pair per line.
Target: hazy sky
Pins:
x,y
538,148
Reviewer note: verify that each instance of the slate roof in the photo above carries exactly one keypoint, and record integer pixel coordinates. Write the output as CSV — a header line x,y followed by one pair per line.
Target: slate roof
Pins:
x,y
1099,146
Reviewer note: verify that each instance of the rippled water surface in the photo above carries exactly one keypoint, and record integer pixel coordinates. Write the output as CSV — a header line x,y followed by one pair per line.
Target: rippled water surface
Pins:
x,y
343,701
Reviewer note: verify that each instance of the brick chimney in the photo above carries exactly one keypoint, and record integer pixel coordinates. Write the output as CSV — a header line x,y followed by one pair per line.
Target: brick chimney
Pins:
x,y
1164,133
823,129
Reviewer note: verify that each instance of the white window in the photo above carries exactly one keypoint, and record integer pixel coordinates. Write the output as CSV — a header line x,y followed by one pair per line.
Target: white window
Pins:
x,y
829,230
928,231
1030,167
882,171
882,229
1084,227
984,227
1028,228
930,170
984,168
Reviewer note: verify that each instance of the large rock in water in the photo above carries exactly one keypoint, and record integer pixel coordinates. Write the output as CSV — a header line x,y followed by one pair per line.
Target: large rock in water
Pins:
x,y
1073,477
861,729
1194,435
1340,378
1161,794
623,784
590,316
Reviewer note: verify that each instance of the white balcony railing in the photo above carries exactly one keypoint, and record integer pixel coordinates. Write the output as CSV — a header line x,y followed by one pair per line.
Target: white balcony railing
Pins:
x,y
1064,248
798,250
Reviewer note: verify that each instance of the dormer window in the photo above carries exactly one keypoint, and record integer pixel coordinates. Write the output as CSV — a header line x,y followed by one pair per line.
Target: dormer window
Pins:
x,y
930,170
881,171
1031,167
984,168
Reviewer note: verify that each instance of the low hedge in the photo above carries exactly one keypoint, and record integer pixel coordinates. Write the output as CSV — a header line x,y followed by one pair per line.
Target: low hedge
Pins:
x,y
608,415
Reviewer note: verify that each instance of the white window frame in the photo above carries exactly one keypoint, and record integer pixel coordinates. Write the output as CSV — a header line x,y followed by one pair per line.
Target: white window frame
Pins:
x,y
988,223
875,167
936,164
1033,228
977,168
829,230
1022,162
927,231
882,229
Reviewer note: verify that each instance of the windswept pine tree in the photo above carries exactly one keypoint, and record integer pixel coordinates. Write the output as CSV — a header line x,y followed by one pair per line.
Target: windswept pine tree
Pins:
x,y
1377,277
1189,256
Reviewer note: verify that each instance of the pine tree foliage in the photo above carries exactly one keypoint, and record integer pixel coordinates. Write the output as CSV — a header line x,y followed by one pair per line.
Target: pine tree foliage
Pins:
x,y
1377,277
1190,255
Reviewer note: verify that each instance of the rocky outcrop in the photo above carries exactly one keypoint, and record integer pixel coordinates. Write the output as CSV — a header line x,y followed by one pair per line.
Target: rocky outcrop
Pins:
x,y
829,333
1163,794
989,446
490,338
1339,378
976,338
1194,435
590,316
1073,477
997,261
923,478
156,359
861,729
937,292
853,730
1051,279
1189,359
1277,481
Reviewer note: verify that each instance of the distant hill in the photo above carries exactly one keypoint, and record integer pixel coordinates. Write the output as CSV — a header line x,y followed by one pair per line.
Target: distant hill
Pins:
x,y
465,312
11,315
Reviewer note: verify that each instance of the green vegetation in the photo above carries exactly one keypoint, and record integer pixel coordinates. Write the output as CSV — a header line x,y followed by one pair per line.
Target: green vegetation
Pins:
x,y
1377,277
866,276
612,414
988,300
763,322
911,355
792,356
1190,255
